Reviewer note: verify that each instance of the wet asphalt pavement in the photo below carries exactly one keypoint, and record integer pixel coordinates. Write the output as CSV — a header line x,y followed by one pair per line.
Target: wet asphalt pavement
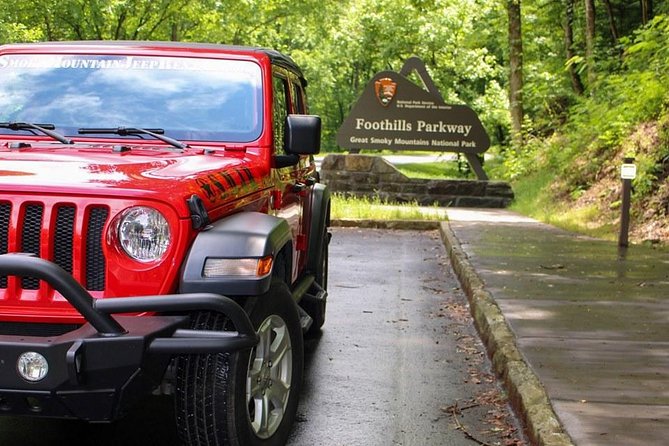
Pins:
x,y
397,350
390,358
591,320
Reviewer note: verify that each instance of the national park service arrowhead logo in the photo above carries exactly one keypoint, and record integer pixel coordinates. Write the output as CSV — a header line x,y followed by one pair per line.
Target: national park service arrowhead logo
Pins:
x,y
385,90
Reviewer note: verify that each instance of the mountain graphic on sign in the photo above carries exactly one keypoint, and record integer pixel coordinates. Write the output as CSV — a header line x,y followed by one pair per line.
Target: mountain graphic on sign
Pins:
x,y
394,113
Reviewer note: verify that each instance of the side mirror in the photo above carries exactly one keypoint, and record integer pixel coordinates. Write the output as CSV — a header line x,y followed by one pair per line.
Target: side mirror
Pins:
x,y
302,134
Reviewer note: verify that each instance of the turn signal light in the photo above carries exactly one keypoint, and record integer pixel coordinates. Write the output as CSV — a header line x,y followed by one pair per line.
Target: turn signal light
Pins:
x,y
237,267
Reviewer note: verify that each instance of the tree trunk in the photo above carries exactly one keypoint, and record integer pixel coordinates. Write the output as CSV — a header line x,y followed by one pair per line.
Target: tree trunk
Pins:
x,y
612,22
174,34
646,10
516,71
590,41
576,83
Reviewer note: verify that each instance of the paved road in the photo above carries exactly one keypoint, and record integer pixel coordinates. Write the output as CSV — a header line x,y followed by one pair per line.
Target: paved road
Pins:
x,y
397,348
397,352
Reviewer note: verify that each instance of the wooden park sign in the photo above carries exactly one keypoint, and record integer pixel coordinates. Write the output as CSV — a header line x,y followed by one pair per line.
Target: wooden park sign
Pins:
x,y
394,113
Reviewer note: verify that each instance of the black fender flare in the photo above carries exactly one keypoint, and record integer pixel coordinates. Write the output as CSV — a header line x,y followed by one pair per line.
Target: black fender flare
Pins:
x,y
320,221
240,236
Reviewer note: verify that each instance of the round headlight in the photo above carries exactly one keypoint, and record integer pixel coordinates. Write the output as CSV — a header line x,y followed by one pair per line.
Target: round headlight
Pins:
x,y
144,233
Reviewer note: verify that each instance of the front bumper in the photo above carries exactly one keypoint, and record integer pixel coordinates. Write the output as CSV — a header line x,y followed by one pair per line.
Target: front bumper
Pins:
x,y
98,370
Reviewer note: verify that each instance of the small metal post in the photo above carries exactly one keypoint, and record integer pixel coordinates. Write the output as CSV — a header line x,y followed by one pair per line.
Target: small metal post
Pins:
x,y
627,176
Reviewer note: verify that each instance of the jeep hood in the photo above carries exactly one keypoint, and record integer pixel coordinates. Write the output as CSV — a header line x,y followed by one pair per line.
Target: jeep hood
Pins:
x,y
147,173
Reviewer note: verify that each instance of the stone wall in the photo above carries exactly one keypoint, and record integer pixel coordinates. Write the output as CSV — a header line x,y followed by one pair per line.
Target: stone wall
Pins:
x,y
370,176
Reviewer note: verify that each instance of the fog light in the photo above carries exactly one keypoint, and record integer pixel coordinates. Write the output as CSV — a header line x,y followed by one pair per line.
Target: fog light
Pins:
x,y
32,366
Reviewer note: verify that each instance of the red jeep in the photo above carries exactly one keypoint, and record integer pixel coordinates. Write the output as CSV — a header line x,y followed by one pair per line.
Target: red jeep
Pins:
x,y
161,227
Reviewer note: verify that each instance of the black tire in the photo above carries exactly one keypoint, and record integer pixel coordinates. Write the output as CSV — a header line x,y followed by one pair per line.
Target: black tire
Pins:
x,y
219,397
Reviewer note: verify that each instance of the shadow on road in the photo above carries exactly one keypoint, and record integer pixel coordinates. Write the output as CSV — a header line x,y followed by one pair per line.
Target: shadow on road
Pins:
x,y
150,423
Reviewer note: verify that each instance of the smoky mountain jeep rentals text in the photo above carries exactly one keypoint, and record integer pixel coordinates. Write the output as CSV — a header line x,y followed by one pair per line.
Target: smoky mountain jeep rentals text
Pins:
x,y
161,227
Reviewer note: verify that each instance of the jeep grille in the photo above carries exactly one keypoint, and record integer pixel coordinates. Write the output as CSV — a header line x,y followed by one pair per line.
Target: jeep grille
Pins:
x,y
52,233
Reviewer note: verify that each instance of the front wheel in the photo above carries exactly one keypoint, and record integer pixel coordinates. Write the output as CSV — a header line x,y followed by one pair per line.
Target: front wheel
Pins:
x,y
249,397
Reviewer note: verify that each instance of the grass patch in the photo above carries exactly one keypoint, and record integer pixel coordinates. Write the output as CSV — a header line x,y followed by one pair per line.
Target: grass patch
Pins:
x,y
584,221
533,198
438,170
364,208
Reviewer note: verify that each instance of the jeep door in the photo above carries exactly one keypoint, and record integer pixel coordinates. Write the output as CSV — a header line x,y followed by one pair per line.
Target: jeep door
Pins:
x,y
295,181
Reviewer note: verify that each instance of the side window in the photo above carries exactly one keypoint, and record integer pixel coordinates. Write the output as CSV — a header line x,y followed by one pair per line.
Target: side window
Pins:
x,y
280,111
298,96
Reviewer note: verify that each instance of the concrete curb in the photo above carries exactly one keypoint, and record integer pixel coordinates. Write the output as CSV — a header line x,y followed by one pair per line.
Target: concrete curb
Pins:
x,y
526,392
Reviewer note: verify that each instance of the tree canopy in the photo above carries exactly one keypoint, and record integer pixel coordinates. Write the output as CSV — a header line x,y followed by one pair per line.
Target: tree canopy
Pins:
x,y
340,44
576,55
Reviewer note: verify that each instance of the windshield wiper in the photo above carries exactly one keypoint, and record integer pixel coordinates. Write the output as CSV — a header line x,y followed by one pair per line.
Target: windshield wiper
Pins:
x,y
47,129
125,131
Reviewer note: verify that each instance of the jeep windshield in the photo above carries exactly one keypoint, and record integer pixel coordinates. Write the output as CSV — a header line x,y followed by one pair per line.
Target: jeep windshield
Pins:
x,y
193,99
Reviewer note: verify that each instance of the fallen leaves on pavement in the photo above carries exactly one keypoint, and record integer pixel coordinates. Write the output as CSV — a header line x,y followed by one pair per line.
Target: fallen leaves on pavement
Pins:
x,y
486,418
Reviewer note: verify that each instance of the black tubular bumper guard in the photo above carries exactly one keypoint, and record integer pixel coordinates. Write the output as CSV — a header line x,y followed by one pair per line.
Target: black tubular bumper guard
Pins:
x,y
96,371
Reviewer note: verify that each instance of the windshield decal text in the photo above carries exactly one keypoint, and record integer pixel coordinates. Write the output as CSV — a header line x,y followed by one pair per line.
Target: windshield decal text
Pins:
x,y
116,62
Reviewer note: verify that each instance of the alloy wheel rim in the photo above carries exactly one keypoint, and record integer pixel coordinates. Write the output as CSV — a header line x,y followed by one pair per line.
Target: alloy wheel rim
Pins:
x,y
269,377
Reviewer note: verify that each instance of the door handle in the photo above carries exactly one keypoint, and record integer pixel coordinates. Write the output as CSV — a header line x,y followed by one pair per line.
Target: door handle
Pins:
x,y
298,187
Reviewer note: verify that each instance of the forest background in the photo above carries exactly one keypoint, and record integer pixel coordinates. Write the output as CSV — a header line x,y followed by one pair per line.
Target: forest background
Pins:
x,y
565,88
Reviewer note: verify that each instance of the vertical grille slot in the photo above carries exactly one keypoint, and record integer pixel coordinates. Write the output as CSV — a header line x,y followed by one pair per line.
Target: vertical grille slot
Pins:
x,y
30,237
64,237
95,259
5,213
